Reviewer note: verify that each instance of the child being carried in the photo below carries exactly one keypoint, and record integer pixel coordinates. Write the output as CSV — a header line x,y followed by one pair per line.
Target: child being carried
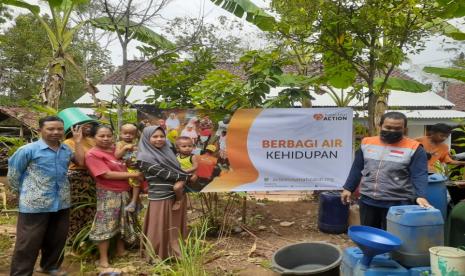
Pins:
x,y
126,150
187,160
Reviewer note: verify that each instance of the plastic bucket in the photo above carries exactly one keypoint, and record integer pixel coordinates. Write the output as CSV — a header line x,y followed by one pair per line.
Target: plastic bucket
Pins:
x,y
72,116
447,261
307,258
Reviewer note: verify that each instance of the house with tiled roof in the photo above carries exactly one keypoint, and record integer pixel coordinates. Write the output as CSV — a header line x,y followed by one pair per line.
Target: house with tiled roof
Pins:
x,y
455,93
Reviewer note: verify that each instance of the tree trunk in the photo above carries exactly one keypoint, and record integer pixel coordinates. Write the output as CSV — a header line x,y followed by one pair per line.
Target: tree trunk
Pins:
x,y
122,92
53,87
372,125
377,105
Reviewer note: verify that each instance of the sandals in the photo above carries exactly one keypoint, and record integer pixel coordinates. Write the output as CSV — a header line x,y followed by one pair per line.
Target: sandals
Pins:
x,y
53,272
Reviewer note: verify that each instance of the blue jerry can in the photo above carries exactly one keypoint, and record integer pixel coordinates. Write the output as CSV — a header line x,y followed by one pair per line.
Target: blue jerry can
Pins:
x,y
419,228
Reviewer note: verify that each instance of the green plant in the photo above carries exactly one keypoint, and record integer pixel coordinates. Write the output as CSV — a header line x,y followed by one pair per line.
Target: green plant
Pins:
x,y
218,210
81,246
194,252
12,143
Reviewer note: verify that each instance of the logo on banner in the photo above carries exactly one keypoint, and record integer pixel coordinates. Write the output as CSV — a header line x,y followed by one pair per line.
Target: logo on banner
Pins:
x,y
330,116
318,116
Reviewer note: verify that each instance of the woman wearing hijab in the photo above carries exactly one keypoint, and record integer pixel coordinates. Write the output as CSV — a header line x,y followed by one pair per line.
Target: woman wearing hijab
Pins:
x,y
162,225
172,122
189,131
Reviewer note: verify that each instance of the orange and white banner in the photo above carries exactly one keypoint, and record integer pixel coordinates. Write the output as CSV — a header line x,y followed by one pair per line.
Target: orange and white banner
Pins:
x,y
287,149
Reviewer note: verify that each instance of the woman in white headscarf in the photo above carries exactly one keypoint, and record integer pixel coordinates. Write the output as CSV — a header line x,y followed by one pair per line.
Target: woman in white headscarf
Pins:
x,y
191,132
162,226
172,122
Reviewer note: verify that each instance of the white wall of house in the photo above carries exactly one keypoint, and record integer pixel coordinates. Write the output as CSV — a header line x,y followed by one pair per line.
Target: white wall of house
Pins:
x,y
415,131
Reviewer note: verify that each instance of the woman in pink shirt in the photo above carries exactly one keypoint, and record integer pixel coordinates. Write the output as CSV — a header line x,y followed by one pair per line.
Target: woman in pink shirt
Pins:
x,y
111,176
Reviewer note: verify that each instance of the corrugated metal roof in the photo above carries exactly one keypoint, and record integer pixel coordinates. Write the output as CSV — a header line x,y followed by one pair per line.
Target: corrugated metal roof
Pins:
x,y
422,114
396,99
107,92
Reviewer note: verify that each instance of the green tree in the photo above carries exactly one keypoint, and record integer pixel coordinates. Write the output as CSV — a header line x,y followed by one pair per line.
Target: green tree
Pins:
x,y
175,78
189,34
60,37
25,52
352,41
450,10
5,14
129,20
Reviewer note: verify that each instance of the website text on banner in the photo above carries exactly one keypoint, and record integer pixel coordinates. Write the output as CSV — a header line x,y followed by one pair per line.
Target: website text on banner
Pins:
x,y
287,149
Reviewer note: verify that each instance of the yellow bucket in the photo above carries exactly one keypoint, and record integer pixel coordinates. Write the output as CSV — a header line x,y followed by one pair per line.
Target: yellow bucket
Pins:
x,y
447,261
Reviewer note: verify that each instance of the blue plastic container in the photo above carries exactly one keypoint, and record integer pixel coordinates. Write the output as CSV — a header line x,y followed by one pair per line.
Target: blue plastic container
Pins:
x,y
332,215
381,267
420,271
419,229
437,193
352,256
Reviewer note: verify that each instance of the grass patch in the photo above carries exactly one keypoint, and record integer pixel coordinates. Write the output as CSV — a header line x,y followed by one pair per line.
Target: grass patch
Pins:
x,y
6,242
8,219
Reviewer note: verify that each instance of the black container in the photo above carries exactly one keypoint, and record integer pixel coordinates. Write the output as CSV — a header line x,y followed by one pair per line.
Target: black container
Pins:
x,y
308,258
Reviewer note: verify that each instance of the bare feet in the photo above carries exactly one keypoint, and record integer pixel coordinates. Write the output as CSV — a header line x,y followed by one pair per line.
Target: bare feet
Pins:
x,y
121,253
176,205
102,264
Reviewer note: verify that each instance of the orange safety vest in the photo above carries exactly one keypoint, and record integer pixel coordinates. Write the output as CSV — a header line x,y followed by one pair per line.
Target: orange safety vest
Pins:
x,y
386,175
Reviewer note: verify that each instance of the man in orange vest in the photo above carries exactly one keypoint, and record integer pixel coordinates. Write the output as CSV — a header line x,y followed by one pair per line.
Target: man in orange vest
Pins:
x,y
390,169
436,149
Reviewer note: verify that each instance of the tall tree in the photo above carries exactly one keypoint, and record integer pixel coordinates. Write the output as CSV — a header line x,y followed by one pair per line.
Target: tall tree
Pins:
x,y
129,20
221,38
369,39
60,36
352,41
25,52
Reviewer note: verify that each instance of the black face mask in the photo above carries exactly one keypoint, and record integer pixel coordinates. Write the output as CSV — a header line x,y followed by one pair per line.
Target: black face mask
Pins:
x,y
391,137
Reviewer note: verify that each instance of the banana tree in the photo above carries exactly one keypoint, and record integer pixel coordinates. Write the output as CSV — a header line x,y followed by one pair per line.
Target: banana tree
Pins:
x,y
60,36
449,10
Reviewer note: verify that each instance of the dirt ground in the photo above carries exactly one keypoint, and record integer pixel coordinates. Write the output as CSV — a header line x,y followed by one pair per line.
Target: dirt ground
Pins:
x,y
247,251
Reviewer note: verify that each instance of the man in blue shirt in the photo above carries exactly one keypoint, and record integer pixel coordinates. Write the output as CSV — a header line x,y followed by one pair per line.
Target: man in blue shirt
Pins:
x,y
390,169
38,173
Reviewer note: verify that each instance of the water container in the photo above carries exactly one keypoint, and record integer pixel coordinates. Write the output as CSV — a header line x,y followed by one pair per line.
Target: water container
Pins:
x,y
381,267
332,215
447,261
352,256
420,271
419,228
436,192
307,258
455,235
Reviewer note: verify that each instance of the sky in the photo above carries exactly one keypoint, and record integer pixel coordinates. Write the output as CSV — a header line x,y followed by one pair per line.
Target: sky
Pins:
x,y
433,55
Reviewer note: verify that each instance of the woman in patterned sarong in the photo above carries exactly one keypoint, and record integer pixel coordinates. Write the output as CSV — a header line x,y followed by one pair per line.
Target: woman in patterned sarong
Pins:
x,y
82,187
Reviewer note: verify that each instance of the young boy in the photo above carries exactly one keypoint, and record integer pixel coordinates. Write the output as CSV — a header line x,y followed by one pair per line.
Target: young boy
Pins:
x,y
126,150
187,160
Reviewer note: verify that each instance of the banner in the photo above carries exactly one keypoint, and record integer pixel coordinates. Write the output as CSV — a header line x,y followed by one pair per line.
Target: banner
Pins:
x,y
267,149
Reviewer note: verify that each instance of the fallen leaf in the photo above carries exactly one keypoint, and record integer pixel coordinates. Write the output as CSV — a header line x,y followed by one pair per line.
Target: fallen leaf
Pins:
x,y
286,223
